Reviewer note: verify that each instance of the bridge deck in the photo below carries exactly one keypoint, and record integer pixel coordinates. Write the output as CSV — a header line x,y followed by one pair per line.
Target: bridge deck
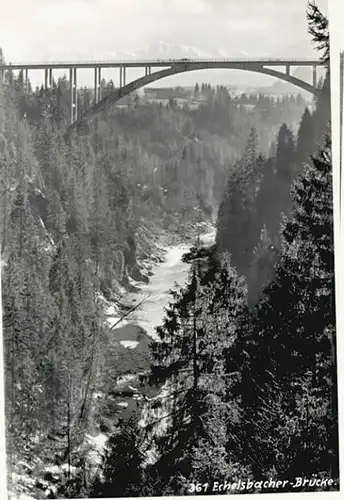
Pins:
x,y
161,62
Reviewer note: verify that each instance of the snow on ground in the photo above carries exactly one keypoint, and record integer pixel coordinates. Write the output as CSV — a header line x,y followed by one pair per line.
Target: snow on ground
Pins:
x,y
133,282
129,344
155,294
98,444
24,484
126,378
57,469
112,320
112,311
20,496
123,404
98,441
165,275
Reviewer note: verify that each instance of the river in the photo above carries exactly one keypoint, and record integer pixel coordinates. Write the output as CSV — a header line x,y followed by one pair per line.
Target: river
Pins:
x,y
155,294
132,331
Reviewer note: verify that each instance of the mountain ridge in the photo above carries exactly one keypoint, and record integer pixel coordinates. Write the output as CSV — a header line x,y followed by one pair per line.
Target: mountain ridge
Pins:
x,y
165,50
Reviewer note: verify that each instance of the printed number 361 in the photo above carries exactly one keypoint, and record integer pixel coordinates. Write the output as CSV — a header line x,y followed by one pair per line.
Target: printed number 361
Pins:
x,y
197,487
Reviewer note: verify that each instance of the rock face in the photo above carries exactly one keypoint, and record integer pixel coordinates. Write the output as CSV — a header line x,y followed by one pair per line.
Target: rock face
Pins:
x,y
137,273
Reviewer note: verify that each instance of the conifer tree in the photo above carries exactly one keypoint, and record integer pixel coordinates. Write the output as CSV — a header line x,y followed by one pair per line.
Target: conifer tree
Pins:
x,y
251,149
294,325
262,266
318,29
123,464
305,140
189,357
285,157
234,221
28,312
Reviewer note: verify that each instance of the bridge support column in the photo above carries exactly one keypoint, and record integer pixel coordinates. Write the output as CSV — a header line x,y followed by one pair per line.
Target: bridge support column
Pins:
x,y
99,84
26,80
120,77
287,68
46,79
50,79
124,76
95,89
149,70
46,97
314,76
73,95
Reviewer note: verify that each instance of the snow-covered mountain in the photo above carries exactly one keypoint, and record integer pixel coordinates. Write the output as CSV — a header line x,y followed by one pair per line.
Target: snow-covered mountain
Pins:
x,y
165,50
157,50
161,50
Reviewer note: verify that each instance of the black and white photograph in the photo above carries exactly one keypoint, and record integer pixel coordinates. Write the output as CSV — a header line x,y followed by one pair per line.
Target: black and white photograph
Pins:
x,y
167,243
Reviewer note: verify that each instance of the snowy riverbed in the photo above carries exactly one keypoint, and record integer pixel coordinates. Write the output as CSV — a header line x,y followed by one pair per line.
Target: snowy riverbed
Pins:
x,y
150,314
155,294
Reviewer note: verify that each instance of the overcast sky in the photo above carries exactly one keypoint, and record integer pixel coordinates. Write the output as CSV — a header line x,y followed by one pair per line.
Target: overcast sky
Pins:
x,y
34,30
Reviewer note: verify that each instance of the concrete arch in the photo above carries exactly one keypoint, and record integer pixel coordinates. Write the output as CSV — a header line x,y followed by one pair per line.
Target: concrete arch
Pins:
x,y
117,94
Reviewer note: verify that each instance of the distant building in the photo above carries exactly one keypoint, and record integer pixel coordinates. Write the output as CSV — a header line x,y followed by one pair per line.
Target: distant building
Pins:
x,y
166,92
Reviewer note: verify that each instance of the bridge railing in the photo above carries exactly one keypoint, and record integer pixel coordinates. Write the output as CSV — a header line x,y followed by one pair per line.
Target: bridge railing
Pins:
x,y
162,61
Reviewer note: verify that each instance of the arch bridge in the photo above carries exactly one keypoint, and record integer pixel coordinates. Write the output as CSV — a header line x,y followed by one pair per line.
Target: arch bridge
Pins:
x,y
278,68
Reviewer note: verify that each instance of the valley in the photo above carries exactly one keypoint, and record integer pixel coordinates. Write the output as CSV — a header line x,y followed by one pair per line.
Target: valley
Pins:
x,y
166,274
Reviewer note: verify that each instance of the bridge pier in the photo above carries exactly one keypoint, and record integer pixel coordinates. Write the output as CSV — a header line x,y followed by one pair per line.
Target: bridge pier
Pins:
x,y
287,69
73,94
48,78
122,76
26,79
45,79
95,89
46,97
97,85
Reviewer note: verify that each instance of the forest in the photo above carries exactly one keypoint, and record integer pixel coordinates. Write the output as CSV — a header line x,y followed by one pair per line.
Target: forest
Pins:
x,y
245,360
